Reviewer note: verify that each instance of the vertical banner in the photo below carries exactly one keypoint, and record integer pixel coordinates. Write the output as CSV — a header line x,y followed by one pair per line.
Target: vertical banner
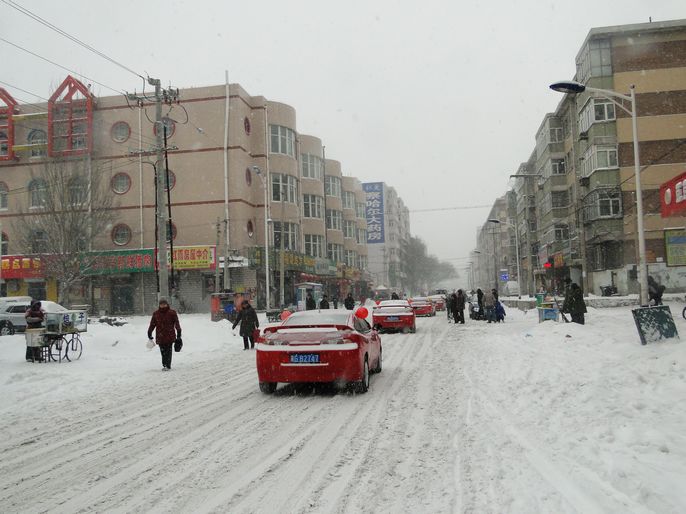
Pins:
x,y
375,212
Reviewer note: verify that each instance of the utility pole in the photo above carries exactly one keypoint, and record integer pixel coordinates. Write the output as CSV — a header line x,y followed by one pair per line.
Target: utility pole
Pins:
x,y
216,253
282,281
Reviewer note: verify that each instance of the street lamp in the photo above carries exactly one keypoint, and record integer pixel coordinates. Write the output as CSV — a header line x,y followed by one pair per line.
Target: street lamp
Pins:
x,y
259,173
513,227
573,88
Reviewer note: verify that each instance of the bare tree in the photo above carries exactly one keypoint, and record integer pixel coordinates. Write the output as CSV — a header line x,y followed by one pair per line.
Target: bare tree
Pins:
x,y
68,208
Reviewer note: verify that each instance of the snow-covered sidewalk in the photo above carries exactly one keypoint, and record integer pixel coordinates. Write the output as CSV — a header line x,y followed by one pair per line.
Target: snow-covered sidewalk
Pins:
x,y
513,417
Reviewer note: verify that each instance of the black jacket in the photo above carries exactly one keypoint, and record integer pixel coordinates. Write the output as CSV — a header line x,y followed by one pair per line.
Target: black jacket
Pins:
x,y
247,317
310,304
459,302
349,303
574,302
324,304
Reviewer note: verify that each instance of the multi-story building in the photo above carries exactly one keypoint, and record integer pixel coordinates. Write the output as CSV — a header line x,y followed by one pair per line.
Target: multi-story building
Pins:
x,y
583,193
388,232
312,212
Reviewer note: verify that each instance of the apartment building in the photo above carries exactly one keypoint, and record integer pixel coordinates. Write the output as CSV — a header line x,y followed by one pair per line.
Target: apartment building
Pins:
x,y
314,212
576,193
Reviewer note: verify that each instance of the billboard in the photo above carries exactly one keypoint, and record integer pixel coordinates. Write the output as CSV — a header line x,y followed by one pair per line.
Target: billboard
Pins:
x,y
675,247
375,212
673,197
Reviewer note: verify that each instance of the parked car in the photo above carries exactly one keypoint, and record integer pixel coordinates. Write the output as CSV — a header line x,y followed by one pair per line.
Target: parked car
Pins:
x,y
423,306
438,301
394,315
12,313
319,346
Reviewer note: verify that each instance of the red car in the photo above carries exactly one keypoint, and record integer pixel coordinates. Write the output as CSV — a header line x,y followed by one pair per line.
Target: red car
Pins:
x,y
394,315
423,306
319,346
439,302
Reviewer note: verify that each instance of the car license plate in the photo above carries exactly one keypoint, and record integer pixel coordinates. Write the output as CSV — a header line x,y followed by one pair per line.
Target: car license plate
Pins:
x,y
392,318
304,358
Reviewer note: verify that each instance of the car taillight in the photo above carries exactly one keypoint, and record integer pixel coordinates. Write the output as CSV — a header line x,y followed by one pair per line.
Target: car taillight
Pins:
x,y
333,340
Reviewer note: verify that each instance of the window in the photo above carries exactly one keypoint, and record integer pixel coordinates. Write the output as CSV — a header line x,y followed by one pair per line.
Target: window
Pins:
x,y
349,200
246,125
290,234
595,60
602,203
361,236
121,183
282,140
561,233
558,167
78,191
172,180
314,245
349,229
559,199
332,186
350,258
39,241
599,157
313,206
311,166
556,135
285,185
248,176
334,219
39,140
594,111
4,143
360,211
362,262
249,228
4,192
334,252
121,234
168,124
5,244
120,132
38,194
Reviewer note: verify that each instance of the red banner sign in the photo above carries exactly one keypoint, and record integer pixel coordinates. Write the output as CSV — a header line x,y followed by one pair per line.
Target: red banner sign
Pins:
x,y
20,266
673,197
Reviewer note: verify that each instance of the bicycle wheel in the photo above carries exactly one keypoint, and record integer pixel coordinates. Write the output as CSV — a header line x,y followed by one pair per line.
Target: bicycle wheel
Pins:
x,y
683,313
73,348
55,349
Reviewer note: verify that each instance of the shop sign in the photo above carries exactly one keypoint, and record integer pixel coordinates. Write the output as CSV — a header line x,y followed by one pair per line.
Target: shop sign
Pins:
x,y
20,266
120,261
675,247
673,197
559,260
374,212
321,266
193,257
292,261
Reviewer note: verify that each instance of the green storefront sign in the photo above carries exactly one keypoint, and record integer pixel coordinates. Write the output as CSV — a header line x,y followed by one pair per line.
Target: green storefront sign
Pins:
x,y
120,261
292,261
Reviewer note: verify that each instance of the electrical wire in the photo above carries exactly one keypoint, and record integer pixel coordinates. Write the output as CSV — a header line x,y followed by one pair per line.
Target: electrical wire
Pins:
x,y
76,40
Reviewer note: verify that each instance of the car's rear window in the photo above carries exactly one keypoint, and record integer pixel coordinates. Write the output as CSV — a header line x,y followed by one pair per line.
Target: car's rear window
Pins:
x,y
393,309
324,317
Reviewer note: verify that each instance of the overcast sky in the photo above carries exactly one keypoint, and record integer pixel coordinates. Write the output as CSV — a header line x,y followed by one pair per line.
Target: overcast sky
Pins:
x,y
440,99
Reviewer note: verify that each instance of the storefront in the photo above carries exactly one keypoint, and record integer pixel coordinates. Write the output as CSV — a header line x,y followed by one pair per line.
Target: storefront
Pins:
x,y
24,275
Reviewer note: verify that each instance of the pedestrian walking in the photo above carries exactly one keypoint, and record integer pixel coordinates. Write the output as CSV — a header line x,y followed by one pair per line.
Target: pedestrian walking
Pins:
x,y
324,304
247,317
165,323
349,302
458,307
575,305
310,304
489,306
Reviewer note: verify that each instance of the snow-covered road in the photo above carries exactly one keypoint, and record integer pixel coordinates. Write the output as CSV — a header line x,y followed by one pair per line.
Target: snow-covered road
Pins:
x,y
514,417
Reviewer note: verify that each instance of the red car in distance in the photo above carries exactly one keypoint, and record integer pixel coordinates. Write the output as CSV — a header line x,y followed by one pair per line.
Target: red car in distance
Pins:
x,y
423,306
439,301
394,315
319,346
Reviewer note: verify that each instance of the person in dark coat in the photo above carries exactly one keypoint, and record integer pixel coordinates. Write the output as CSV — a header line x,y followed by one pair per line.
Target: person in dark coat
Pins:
x,y
335,302
458,307
394,296
655,291
34,319
165,323
449,302
349,302
495,294
575,305
310,304
480,302
324,303
247,317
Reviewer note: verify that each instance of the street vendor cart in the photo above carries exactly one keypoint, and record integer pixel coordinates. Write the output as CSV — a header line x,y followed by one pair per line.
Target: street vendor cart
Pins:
x,y
60,338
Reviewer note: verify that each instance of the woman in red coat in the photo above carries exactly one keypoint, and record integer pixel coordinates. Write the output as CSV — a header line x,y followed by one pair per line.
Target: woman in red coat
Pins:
x,y
165,322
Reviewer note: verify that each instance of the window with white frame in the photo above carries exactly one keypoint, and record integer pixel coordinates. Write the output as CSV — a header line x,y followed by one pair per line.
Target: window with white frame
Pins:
x,y
558,166
361,236
4,193
362,262
334,219
334,252
348,200
311,166
596,110
555,135
603,203
349,229
78,191
360,211
314,245
38,241
561,233
599,157
290,235
332,186
281,140
38,194
350,258
285,185
595,60
38,138
313,206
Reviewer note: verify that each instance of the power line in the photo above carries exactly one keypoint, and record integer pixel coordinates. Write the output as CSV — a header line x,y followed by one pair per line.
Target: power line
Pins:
x,y
117,91
76,40
457,208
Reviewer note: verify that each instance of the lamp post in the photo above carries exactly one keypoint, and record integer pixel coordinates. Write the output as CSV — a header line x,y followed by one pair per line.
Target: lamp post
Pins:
x,y
572,87
259,173
513,227
495,261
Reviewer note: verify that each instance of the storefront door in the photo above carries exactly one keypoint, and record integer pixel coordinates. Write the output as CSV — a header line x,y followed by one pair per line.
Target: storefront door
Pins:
x,y
122,299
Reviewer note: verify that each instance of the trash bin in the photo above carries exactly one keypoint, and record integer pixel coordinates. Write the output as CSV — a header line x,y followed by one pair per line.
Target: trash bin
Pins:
x,y
539,299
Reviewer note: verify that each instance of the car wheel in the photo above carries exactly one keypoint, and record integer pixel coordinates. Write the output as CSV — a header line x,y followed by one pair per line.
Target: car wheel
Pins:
x,y
7,329
414,328
377,369
267,387
363,385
